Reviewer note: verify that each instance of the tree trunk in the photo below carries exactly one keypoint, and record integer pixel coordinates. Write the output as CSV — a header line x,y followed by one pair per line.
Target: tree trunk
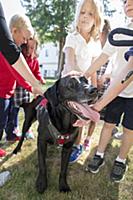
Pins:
x,y
61,56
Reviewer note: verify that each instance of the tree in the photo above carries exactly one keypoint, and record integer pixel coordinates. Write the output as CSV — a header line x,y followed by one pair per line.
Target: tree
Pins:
x,y
50,19
108,9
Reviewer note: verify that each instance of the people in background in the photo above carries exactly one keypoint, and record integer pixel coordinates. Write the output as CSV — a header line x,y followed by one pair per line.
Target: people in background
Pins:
x,y
10,54
22,96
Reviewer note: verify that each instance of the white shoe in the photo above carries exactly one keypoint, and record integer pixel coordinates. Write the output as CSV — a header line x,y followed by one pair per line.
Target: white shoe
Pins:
x,y
4,177
118,135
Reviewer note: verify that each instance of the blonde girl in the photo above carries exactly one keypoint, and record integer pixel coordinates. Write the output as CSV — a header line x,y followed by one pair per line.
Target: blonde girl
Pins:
x,y
81,48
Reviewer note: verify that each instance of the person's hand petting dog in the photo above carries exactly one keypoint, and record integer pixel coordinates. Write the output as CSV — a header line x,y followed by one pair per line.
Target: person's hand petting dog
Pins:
x,y
37,90
73,73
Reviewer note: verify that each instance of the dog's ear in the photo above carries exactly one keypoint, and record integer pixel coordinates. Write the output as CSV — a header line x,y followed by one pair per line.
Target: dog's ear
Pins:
x,y
52,94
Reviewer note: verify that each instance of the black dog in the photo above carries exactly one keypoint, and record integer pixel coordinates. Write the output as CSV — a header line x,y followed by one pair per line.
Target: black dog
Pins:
x,y
63,104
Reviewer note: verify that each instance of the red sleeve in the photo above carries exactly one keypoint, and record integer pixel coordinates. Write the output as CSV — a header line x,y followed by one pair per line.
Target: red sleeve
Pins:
x,y
36,70
16,75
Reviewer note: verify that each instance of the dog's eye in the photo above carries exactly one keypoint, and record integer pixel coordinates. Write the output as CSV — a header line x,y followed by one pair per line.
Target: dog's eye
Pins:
x,y
83,79
71,83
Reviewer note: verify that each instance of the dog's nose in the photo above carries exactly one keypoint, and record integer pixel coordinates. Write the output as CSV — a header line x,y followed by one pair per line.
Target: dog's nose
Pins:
x,y
93,90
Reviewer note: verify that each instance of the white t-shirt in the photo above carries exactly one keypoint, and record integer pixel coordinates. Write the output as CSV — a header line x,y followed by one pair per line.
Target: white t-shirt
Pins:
x,y
84,52
119,61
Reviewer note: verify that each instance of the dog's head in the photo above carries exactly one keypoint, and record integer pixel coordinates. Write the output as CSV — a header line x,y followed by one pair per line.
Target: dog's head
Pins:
x,y
75,93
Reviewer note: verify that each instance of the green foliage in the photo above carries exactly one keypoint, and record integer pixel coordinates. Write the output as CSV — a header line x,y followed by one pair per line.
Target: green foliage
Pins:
x,y
50,17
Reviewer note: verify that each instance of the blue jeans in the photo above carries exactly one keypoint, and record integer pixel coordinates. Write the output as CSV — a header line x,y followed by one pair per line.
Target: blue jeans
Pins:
x,y
7,117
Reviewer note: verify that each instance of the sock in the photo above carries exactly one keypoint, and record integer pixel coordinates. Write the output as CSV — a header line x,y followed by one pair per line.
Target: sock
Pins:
x,y
100,154
120,160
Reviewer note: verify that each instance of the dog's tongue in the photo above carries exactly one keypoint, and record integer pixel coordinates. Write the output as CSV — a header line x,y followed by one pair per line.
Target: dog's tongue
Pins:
x,y
87,111
90,113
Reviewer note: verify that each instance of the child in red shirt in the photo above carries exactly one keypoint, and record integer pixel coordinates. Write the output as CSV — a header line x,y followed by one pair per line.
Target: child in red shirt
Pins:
x,y
22,95
21,30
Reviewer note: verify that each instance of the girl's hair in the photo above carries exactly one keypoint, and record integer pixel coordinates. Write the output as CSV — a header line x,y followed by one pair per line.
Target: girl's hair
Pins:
x,y
36,39
20,22
24,47
96,8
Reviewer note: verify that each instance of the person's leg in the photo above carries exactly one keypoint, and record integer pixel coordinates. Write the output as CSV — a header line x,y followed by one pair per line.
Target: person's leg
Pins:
x,y
87,141
105,136
77,148
4,108
11,123
78,140
127,142
112,117
16,121
120,165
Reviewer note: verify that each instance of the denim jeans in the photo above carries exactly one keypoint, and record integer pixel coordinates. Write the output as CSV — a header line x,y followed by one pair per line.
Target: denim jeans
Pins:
x,y
7,116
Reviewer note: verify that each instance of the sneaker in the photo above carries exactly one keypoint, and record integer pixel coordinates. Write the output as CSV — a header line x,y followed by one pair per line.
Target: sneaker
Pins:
x,y
114,131
2,153
87,144
118,135
95,164
17,132
4,177
76,153
118,171
29,135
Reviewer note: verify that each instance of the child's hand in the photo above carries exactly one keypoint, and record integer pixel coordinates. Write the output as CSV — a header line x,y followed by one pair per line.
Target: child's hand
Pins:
x,y
73,73
43,81
100,81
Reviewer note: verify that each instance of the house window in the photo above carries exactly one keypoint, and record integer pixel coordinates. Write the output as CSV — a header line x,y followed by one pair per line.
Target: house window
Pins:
x,y
46,53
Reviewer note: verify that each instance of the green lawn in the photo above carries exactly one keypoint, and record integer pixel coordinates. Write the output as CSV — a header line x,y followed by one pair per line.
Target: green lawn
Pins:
x,y
85,186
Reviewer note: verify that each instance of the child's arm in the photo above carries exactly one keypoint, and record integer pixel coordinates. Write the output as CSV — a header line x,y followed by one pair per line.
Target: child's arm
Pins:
x,y
101,60
116,86
69,60
94,79
36,71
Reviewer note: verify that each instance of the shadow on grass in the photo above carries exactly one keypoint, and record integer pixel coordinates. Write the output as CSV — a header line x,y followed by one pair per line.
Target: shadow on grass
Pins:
x,y
84,185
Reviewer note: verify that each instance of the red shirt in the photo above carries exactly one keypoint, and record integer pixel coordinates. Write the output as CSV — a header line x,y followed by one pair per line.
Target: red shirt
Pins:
x,y
34,66
8,77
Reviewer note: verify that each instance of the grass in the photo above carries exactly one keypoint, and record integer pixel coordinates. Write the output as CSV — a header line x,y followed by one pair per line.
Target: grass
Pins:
x,y
85,186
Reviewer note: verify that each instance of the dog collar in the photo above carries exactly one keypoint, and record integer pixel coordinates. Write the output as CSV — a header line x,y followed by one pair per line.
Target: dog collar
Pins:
x,y
43,102
53,134
58,138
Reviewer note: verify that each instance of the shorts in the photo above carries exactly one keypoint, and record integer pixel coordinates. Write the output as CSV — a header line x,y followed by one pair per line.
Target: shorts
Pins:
x,y
116,108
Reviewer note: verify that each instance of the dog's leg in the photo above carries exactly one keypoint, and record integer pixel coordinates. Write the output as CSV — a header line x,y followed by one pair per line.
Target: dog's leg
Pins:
x,y
1,134
30,116
41,182
66,151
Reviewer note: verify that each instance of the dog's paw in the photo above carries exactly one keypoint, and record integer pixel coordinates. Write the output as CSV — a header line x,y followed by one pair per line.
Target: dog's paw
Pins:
x,y
64,188
41,185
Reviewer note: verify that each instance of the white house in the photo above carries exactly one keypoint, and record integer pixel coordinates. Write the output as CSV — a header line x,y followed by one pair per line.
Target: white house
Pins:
x,y
48,59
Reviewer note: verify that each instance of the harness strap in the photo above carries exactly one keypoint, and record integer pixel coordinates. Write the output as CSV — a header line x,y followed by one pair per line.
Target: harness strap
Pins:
x,y
57,138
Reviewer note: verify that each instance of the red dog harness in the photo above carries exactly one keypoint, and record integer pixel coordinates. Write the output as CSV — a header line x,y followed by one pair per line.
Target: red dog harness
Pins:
x,y
60,139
